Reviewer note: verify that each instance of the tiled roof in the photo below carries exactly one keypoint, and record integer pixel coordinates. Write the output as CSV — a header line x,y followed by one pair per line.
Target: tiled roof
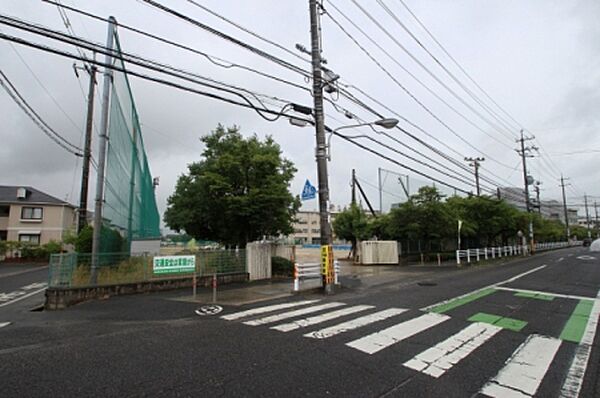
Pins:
x,y
8,194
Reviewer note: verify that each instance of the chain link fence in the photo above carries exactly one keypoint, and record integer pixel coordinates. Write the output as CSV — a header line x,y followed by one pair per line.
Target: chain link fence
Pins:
x,y
72,270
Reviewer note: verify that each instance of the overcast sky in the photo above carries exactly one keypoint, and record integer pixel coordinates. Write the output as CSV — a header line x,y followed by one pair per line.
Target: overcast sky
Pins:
x,y
538,59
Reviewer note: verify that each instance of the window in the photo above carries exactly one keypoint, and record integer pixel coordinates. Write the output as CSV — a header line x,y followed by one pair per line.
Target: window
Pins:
x,y
4,211
31,238
31,213
316,231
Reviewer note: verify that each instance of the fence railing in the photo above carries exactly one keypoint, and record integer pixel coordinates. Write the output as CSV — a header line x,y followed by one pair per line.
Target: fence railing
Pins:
x,y
74,269
486,253
477,254
310,274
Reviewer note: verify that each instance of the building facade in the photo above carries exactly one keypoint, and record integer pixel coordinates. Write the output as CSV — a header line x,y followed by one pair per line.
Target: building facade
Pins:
x,y
29,215
307,228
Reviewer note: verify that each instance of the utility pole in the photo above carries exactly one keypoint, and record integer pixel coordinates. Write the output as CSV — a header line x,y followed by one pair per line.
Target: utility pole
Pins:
x,y
476,162
536,187
321,151
102,152
596,219
87,150
587,216
353,186
562,185
525,153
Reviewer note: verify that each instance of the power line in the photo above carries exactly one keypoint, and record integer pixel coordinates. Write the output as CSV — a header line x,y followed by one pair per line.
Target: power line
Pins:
x,y
244,29
12,91
456,63
410,94
429,72
471,94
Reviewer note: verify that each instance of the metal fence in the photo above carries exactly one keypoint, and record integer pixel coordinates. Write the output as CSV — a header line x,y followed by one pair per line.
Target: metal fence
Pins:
x,y
307,276
73,269
477,254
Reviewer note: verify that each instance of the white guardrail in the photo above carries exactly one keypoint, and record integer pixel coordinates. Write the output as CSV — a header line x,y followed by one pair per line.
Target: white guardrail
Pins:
x,y
308,276
485,253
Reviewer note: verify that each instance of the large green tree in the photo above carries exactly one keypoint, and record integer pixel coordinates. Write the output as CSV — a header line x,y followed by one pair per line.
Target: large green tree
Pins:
x,y
352,224
238,192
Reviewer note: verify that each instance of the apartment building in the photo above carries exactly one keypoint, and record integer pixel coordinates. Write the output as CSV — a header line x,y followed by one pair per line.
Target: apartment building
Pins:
x,y
29,215
307,228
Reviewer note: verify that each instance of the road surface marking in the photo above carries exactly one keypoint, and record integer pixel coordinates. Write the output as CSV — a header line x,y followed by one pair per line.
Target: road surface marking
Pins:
x,y
301,323
262,310
457,302
524,371
36,285
23,297
503,322
435,361
560,259
575,326
292,314
567,296
3,324
572,385
535,296
394,334
586,258
493,285
355,323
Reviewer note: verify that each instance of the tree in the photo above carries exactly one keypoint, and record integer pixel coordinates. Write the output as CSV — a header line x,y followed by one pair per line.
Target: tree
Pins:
x,y
238,192
352,224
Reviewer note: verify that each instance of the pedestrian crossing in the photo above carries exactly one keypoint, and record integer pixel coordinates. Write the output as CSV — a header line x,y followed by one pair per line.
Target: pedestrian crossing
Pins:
x,y
521,374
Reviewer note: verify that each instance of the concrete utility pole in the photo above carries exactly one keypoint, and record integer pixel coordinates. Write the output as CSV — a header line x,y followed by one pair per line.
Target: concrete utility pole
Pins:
x,y
476,162
525,153
102,152
536,187
563,185
87,150
587,216
321,152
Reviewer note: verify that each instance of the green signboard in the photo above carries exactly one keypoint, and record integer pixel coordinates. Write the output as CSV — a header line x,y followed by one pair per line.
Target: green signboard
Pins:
x,y
174,264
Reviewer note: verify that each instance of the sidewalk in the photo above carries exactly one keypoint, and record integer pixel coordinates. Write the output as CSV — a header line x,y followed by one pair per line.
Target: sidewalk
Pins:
x,y
241,294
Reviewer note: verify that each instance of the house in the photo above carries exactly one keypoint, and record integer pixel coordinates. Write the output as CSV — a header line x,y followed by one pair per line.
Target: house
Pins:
x,y
29,215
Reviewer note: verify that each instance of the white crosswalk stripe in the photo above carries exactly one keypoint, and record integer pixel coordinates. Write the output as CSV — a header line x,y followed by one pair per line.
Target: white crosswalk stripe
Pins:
x,y
269,308
3,324
379,340
436,360
355,323
524,371
292,314
301,323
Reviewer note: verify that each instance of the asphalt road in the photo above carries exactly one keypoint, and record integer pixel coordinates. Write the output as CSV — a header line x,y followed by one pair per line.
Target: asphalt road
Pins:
x,y
520,328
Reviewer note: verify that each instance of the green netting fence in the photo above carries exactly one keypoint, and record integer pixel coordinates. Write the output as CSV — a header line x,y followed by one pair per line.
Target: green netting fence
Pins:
x,y
129,201
72,270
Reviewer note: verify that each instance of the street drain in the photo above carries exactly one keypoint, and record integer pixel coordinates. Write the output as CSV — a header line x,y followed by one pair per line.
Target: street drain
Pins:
x,y
426,283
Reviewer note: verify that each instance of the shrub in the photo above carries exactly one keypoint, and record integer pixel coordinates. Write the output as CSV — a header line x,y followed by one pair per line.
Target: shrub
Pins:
x,y
281,266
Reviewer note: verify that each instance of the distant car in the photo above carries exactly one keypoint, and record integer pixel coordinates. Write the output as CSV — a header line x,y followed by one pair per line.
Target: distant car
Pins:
x,y
587,242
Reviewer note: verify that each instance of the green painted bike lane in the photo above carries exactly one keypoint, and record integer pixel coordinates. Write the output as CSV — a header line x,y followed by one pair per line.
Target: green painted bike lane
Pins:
x,y
557,316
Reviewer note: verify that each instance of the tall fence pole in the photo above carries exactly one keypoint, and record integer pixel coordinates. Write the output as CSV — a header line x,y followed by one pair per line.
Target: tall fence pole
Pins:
x,y
102,152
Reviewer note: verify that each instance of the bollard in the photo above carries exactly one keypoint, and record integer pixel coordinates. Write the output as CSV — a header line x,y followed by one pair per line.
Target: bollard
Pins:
x,y
296,280
469,256
214,287
439,259
458,257
477,252
485,253
422,262
336,272
194,286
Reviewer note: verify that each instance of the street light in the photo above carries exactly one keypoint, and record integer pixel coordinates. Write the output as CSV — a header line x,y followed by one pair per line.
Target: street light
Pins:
x,y
387,123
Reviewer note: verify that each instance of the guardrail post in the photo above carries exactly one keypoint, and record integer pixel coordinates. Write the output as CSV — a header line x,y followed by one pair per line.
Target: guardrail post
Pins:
x,y
336,272
477,254
485,253
458,257
469,256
